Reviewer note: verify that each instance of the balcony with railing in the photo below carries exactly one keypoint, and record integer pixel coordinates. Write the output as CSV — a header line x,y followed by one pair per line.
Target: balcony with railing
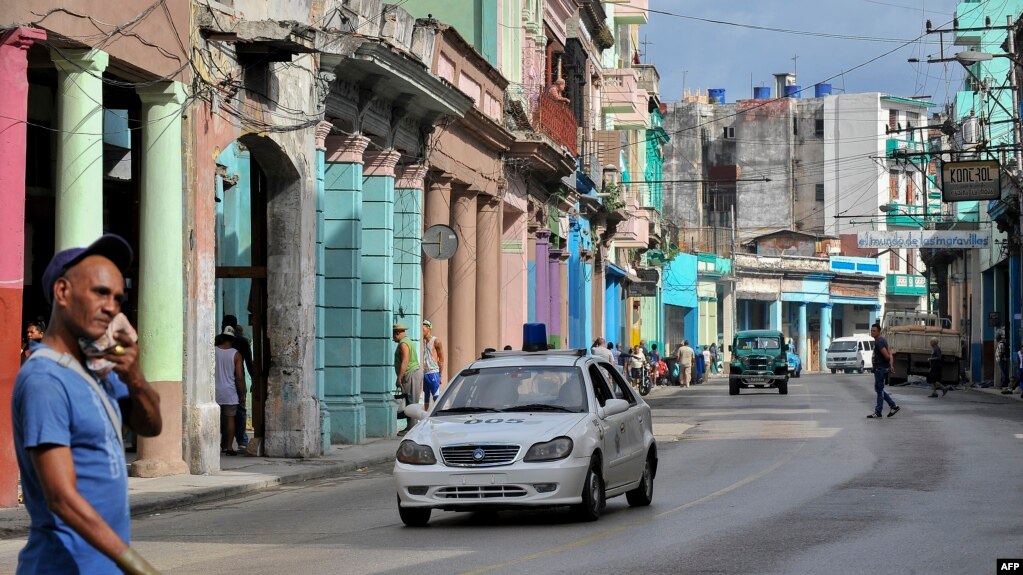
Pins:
x,y
895,146
904,215
631,11
649,79
554,119
618,95
638,120
634,230
914,285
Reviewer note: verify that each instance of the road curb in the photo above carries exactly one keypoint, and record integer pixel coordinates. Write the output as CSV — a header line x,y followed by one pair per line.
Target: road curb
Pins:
x,y
147,503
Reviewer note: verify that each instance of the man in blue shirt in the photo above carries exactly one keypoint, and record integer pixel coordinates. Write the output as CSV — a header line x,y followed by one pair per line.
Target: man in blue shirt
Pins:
x,y
883,361
67,421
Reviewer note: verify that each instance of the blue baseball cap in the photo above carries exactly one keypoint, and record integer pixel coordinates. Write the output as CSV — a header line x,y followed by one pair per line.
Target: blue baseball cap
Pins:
x,y
110,246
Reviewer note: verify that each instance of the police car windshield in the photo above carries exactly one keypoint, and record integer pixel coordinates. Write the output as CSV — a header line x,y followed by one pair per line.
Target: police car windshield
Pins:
x,y
508,388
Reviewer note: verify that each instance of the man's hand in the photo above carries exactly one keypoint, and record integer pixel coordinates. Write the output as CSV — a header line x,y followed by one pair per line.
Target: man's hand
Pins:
x,y
125,357
143,415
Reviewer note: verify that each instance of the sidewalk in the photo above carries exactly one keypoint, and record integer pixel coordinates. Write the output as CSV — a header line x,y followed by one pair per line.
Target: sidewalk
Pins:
x,y
239,475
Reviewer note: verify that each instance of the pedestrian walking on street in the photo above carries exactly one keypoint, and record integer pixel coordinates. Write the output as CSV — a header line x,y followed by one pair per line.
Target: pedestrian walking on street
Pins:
x,y
883,362
230,387
714,357
244,348
1002,359
614,353
685,356
67,419
34,332
708,363
409,375
599,349
934,370
433,364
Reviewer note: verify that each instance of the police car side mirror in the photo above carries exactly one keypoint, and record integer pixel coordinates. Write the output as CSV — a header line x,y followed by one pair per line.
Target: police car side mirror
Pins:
x,y
415,411
615,406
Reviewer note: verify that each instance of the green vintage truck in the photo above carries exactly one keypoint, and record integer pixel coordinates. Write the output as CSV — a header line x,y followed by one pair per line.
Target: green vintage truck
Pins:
x,y
759,359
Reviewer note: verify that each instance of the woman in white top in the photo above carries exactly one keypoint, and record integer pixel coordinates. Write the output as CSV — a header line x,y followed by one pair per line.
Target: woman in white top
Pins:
x,y
230,385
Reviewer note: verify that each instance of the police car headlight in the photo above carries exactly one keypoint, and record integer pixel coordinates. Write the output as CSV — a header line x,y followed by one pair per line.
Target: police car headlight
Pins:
x,y
415,454
553,450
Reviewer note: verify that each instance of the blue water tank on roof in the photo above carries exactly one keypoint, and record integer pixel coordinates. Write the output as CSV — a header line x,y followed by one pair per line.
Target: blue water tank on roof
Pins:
x,y
792,91
761,93
821,90
716,95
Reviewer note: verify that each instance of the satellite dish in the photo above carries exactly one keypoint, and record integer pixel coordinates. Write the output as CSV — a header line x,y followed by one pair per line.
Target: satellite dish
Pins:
x,y
439,242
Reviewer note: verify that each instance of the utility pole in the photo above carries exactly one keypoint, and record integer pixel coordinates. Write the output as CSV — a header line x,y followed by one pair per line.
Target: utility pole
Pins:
x,y
1014,335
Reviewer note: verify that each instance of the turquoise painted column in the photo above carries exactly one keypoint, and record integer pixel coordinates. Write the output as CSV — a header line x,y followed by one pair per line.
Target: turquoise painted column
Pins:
x,y
802,333
825,335
774,310
322,131
79,185
161,278
377,359
340,295
408,246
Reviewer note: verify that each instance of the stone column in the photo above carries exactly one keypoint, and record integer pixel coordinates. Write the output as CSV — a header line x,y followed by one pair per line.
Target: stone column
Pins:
x,y
489,229
728,309
79,184
541,289
597,287
825,335
774,310
161,274
804,348
340,295
408,249
875,313
378,294
437,211
514,279
14,47
462,279
554,335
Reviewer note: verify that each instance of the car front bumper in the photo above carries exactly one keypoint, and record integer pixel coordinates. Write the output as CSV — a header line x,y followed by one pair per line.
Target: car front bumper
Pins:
x,y
517,485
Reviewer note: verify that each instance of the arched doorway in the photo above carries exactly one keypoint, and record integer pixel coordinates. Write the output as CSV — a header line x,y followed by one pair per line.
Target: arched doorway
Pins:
x,y
265,277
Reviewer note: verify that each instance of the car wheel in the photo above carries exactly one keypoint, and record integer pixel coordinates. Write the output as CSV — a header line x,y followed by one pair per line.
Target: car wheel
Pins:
x,y
733,387
833,370
860,370
643,494
414,516
593,494
799,372
783,387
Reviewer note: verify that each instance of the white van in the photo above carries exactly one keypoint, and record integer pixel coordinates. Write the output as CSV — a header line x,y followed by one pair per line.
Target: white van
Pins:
x,y
849,353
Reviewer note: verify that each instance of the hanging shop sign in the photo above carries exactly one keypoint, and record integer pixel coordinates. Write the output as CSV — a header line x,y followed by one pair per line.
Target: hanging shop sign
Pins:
x,y
970,181
923,239
643,289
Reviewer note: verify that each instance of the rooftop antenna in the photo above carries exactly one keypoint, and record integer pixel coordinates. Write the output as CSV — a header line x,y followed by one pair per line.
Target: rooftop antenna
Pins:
x,y
645,43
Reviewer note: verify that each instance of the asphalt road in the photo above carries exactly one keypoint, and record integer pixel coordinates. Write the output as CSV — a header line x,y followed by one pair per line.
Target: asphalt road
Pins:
x,y
762,483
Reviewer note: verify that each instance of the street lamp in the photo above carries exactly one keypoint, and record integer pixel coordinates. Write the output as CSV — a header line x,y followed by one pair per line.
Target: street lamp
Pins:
x,y
893,209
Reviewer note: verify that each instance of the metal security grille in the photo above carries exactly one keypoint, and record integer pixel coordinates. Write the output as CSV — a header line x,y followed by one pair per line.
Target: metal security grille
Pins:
x,y
758,364
481,492
479,455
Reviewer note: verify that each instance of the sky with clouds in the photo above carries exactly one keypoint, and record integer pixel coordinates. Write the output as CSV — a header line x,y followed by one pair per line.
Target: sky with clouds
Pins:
x,y
832,41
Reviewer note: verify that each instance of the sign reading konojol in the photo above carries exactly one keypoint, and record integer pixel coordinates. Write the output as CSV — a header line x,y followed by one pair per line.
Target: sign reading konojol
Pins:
x,y
924,239
969,181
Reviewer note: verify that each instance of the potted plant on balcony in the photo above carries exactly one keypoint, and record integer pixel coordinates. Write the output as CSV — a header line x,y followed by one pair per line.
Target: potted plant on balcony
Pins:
x,y
603,39
612,198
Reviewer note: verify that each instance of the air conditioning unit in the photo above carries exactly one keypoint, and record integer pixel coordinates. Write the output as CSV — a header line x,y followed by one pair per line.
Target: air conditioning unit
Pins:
x,y
834,250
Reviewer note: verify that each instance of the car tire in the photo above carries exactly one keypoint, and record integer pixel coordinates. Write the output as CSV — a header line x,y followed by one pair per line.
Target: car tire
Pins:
x,y
643,494
783,387
860,370
733,387
414,516
593,494
799,372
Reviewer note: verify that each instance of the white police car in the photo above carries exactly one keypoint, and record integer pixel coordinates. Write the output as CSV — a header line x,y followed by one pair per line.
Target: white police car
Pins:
x,y
528,429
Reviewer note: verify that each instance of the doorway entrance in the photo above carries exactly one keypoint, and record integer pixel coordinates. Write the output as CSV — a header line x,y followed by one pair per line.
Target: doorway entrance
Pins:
x,y
241,269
